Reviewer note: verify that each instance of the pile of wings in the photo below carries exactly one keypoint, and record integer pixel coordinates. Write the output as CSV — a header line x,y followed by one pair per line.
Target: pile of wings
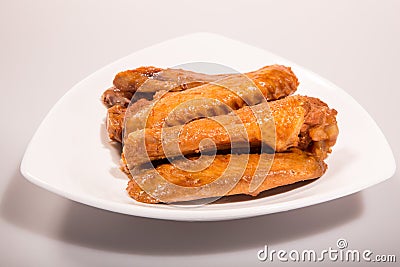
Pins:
x,y
189,135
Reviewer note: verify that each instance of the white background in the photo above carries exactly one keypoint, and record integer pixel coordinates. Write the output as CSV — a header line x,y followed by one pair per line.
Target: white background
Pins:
x,y
48,46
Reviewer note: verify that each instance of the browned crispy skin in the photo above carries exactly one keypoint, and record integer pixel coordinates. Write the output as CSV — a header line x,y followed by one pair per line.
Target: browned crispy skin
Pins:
x,y
297,121
116,115
115,122
178,80
273,82
152,79
131,80
126,84
286,168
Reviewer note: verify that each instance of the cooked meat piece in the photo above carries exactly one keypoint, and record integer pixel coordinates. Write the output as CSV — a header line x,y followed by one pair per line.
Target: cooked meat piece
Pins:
x,y
320,130
214,99
116,116
115,122
289,122
131,80
286,168
115,96
178,80
151,79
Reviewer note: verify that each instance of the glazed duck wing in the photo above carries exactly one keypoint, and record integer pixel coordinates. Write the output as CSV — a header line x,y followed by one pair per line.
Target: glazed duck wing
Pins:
x,y
285,168
231,93
294,121
150,80
146,81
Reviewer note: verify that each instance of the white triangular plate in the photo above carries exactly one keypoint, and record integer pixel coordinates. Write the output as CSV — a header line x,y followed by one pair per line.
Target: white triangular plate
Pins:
x,y
70,154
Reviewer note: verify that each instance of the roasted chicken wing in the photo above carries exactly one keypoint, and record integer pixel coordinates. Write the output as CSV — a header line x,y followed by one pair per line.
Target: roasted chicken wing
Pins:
x,y
286,168
294,121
